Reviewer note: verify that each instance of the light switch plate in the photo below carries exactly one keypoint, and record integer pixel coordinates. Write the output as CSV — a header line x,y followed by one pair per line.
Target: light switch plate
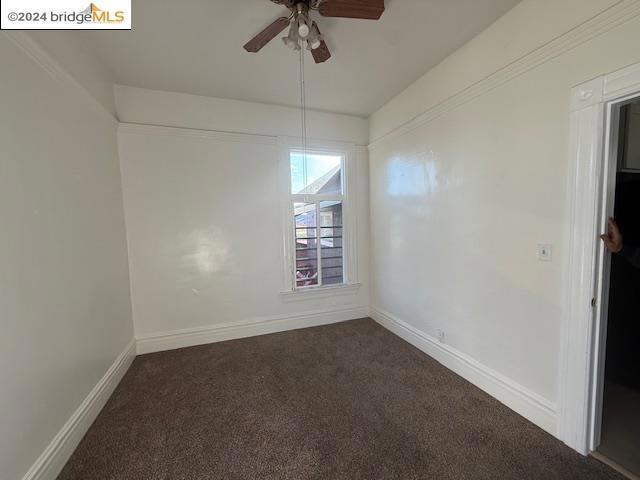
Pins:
x,y
544,252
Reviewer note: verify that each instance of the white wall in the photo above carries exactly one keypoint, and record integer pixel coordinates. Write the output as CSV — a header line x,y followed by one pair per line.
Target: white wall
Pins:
x,y
468,174
64,287
204,219
527,27
155,107
72,51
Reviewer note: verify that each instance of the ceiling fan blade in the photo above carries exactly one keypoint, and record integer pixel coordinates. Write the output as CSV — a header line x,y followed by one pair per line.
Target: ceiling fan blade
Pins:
x,y
286,3
265,36
366,9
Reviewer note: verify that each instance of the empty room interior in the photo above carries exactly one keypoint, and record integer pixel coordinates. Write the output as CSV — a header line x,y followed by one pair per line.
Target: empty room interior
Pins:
x,y
320,239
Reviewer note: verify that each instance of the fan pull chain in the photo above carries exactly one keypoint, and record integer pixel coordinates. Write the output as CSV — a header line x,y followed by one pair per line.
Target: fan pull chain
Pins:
x,y
303,115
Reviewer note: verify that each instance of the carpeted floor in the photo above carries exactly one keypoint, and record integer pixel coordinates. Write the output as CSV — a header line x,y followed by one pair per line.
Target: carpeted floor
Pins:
x,y
344,401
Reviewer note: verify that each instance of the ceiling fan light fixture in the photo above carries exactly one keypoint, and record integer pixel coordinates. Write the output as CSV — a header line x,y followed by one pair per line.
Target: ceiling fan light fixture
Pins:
x,y
303,26
303,31
315,38
290,44
312,45
292,40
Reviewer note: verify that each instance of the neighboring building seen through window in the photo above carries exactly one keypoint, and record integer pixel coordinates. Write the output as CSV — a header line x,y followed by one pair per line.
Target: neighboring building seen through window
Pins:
x,y
317,196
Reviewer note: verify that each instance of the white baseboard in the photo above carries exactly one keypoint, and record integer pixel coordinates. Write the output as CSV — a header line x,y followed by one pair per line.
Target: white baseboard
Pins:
x,y
529,404
229,331
54,457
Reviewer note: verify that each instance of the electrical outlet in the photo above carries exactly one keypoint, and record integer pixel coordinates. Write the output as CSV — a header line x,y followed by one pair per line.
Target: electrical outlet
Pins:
x,y
441,335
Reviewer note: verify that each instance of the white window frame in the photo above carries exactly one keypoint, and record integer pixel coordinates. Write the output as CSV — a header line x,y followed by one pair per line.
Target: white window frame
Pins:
x,y
347,151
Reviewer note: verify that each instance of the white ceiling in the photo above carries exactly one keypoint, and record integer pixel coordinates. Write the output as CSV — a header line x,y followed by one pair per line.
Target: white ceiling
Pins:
x,y
195,46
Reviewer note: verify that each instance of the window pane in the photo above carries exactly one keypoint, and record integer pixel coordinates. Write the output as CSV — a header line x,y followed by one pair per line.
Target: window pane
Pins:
x,y
331,242
315,173
306,244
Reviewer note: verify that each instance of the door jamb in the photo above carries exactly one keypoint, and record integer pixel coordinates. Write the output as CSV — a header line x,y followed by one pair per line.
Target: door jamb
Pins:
x,y
589,197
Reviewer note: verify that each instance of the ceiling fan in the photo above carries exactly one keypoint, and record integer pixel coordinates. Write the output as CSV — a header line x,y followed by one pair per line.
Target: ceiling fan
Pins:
x,y
303,29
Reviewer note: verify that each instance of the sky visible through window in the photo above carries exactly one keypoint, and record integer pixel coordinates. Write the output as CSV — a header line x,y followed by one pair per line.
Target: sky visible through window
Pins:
x,y
304,173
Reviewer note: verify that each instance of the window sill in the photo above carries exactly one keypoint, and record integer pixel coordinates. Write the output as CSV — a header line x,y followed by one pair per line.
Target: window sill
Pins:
x,y
320,292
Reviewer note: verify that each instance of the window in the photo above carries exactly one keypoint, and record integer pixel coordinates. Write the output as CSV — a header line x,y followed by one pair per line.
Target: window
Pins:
x,y
317,202
319,223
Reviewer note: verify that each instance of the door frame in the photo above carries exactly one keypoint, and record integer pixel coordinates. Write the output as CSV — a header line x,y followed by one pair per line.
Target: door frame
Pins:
x,y
591,187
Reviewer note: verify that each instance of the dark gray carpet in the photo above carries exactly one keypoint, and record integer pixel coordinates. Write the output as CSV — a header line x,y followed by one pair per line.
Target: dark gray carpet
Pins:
x,y
344,401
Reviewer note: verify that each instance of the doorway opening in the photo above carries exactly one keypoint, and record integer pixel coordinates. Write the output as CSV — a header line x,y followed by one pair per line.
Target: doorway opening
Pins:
x,y
619,430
